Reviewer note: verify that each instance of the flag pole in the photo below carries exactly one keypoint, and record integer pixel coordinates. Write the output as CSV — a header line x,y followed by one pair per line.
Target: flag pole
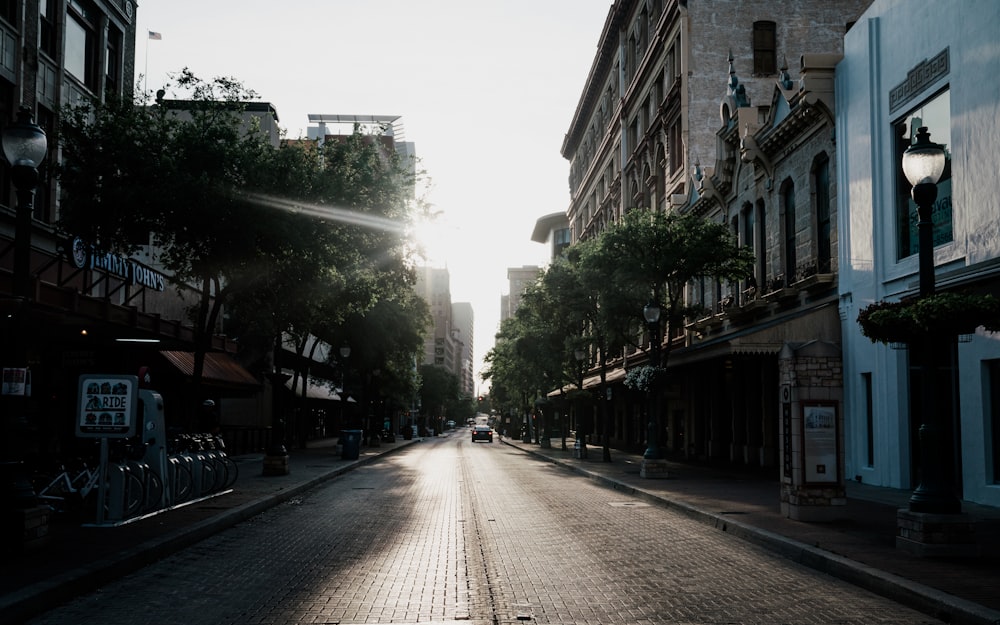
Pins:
x,y
145,71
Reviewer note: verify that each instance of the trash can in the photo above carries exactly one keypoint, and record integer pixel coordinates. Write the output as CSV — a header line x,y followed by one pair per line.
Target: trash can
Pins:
x,y
351,442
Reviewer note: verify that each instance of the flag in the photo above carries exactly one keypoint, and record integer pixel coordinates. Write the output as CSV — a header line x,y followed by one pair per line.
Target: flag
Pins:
x,y
155,36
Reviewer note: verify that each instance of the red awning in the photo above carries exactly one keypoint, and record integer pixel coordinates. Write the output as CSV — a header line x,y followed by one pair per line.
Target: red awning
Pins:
x,y
220,368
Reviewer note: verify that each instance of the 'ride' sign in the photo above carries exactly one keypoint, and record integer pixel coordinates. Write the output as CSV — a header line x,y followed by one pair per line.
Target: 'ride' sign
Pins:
x,y
107,405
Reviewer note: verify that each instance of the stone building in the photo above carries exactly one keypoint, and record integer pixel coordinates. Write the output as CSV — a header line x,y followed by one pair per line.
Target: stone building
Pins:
x,y
694,107
764,364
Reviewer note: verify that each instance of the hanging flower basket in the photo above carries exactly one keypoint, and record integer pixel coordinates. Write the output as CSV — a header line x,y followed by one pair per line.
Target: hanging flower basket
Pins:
x,y
645,378
945,314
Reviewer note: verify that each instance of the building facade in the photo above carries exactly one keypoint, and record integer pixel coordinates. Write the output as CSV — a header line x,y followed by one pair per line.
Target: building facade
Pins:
x,y
552,230
693,107
441,344
906,65
80,312
464,320
518,280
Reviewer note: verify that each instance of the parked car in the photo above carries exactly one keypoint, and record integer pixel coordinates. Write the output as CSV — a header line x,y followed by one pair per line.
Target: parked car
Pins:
x,y
482,433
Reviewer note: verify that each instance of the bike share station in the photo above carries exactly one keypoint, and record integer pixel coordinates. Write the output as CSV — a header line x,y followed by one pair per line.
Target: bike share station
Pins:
x,y
148,480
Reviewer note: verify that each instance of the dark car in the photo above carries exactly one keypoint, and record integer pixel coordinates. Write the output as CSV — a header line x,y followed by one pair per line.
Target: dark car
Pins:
x,y
482,433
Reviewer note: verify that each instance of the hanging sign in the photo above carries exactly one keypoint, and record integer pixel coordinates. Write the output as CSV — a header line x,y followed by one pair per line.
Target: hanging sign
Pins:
x,y
107,405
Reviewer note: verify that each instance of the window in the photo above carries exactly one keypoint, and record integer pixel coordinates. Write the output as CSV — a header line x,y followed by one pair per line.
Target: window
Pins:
x,y
764,49
824,243
788,210
672,64
866,379
81,46
762,255
47,25
747,241
113,67
993,435
676,158
935,114
8,11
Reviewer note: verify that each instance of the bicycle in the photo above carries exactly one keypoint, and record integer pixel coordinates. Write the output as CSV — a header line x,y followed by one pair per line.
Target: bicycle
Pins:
x,y
133,486
226,469
66,493
180,479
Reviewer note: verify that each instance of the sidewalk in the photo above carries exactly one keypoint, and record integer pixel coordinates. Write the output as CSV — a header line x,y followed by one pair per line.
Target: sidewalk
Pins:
x,y
78,559
858,548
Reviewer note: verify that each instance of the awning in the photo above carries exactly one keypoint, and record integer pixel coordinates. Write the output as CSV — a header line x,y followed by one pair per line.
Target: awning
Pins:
x,y
594,381
325,390
220,368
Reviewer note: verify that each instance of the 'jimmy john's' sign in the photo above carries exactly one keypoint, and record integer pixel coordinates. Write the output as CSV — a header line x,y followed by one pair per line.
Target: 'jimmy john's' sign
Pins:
x,y
119,266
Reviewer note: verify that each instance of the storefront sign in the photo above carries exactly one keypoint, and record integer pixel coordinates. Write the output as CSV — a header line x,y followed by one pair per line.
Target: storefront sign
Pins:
x,y
107,406
120,266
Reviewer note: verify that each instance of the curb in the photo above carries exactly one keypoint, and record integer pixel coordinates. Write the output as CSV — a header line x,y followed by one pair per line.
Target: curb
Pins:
x,y
33,600
930,601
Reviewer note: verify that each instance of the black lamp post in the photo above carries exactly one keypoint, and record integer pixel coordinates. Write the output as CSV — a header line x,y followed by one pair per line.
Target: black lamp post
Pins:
x,y
580,446
923,164
24,146
651,313
345,353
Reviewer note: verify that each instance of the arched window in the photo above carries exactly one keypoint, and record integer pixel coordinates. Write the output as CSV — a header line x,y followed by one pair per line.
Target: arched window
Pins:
x,y
762,276
824,227
748,240
644,200
788,228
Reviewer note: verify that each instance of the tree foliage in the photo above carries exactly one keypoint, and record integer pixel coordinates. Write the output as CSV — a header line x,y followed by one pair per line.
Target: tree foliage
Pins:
x,y
592,299
657,255
295,238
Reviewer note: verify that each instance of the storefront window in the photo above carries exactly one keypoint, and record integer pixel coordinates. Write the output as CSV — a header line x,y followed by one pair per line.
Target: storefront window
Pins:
x,y
935,114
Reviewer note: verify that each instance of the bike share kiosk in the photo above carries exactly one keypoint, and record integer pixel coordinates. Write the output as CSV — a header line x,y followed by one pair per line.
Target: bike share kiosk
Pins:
x,y
109,408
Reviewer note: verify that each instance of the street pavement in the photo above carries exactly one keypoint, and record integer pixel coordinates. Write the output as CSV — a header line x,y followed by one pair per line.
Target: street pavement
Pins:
x,y
859,547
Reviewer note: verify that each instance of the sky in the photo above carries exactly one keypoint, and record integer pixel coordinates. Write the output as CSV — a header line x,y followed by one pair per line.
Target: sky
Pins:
x,y
486,89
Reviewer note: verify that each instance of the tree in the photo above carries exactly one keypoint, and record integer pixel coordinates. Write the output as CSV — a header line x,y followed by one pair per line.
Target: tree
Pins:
x,y
197,180
605,305
655,254
385,340
439,389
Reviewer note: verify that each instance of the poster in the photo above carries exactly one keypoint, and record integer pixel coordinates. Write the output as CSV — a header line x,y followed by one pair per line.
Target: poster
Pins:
x,y
15,381
820,439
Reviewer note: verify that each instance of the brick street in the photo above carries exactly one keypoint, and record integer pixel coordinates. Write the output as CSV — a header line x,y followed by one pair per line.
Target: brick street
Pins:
x,y
453,531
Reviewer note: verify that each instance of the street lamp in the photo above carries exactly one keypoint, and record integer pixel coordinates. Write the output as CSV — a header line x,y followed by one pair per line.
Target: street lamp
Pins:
x,y
580,447
345,353
651,313
923,164
24,146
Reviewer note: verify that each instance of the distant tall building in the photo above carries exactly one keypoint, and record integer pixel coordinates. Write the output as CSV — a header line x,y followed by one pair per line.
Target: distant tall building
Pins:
x,y
463,322
520,278
448,342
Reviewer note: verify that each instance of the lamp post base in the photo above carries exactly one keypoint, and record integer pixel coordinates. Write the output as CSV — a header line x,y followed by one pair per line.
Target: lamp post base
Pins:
x,y
653,468
936,535
276,465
